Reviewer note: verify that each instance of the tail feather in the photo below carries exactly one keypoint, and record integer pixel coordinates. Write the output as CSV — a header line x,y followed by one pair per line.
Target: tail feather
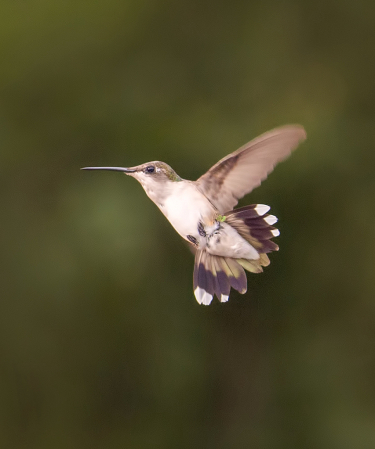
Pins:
x,y
206,273
264,233
255,225
219,286
259,221
251,211
237,276
254,266
264,260
216,275
203,279
222,281
268,246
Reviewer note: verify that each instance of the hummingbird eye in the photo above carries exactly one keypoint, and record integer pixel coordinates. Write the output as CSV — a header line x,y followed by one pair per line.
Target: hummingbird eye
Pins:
x,y
150,169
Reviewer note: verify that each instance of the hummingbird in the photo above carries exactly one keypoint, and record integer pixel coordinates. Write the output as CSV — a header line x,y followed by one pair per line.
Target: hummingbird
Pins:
x,y
226,241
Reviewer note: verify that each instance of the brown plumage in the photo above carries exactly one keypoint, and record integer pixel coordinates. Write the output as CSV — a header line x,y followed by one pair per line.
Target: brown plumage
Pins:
x,y
240,172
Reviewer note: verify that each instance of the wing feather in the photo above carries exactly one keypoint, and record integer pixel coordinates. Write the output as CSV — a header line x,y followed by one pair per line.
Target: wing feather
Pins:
x,y
240,172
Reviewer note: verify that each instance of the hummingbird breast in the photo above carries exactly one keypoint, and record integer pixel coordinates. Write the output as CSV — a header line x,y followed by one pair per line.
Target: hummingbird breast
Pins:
x,y
185,207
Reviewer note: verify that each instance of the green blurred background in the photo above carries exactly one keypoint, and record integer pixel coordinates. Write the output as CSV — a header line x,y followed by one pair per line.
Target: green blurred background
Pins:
x,y
102,344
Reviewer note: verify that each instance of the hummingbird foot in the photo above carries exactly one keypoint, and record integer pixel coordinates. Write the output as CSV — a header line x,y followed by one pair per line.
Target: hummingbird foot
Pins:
x,y
192,239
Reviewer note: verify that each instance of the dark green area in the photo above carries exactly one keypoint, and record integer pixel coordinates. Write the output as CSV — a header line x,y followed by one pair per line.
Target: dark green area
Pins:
x,y
102,344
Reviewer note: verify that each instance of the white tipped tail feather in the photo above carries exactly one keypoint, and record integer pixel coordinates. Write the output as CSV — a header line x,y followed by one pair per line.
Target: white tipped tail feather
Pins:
x,y
216,275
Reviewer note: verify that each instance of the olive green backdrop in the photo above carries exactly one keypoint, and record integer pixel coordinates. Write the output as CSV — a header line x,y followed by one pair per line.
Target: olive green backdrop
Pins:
x,y
102,344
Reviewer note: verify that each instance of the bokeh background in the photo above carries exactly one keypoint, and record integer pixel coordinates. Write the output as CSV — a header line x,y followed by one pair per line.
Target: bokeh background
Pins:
x,y
102,344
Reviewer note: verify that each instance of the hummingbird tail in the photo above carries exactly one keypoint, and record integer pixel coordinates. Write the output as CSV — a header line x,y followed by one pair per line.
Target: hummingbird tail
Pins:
x,y
215,275
255,226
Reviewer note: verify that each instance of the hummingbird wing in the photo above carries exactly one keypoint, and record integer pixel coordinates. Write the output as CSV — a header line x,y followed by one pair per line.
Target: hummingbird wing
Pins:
x,y
240,172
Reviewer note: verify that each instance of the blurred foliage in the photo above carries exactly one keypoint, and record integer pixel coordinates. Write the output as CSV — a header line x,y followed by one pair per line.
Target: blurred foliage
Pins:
x,y
102,342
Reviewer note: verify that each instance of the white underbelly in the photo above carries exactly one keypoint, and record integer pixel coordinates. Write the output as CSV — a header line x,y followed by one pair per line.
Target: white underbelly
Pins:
x,y
185,208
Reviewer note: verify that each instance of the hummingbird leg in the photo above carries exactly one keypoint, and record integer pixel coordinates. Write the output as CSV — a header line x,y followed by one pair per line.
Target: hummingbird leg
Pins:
x,y
201,230
192,239
208,232
214,233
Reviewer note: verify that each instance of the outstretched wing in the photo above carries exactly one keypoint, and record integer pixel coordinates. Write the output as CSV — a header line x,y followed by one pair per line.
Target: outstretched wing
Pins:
x,y
240,172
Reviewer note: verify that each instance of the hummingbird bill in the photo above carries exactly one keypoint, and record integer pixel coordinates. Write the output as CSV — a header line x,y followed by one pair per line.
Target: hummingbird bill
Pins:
x,y
226,241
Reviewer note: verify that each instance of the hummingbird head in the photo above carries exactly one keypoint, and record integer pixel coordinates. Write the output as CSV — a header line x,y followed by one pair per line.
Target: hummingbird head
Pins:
x,y
153,173
155,177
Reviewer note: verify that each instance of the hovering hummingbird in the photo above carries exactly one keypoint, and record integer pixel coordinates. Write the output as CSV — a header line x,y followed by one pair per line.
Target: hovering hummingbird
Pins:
x,y
225,240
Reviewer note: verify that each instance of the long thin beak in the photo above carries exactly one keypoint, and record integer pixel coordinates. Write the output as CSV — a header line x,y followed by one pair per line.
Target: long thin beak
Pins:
x,y
123,169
